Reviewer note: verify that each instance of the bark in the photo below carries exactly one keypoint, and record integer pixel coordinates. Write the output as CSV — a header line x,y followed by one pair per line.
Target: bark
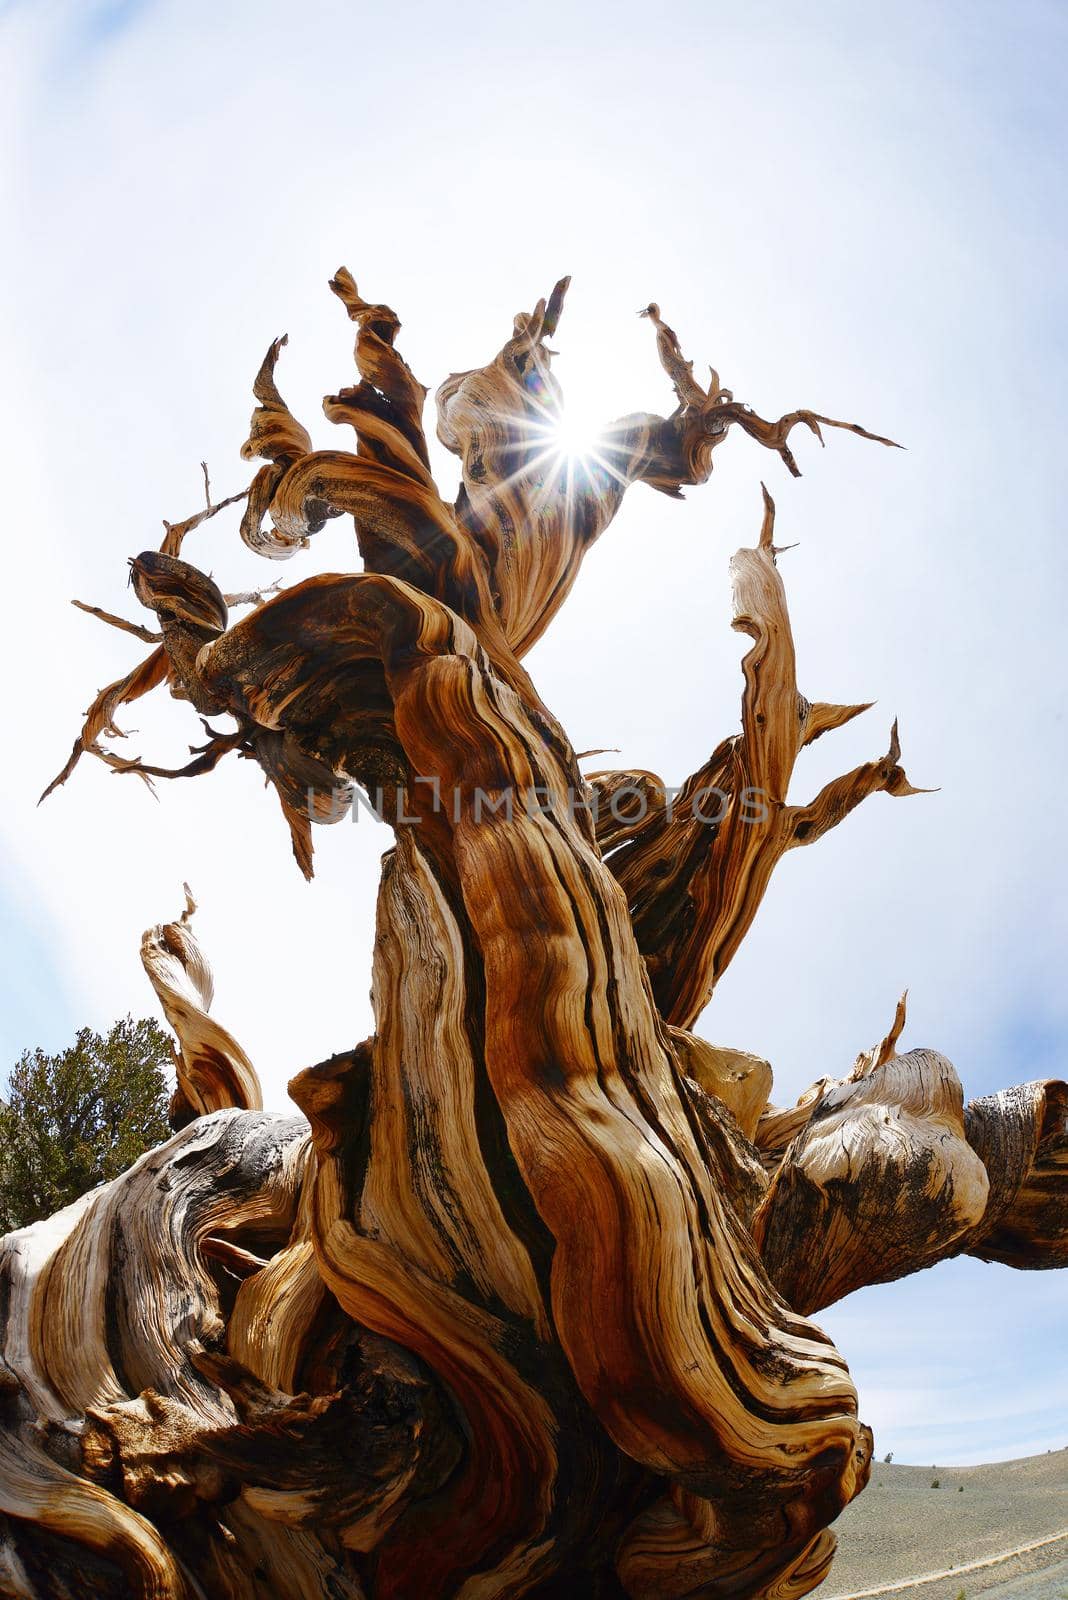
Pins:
x,y
519,1303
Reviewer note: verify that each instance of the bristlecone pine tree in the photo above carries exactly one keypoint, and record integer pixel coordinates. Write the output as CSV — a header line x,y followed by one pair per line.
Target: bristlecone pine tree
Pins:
x,y
80,1117
520,1305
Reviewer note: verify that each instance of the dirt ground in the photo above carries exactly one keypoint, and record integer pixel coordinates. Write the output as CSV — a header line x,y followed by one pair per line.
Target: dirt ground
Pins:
x,y
902,1530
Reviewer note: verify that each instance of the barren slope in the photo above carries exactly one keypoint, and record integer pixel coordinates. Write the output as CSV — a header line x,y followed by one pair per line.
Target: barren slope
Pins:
x,y
902,1528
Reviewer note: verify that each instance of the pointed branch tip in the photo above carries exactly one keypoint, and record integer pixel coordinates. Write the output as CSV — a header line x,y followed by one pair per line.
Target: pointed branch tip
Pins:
x,y
768,525
555,306
888,1047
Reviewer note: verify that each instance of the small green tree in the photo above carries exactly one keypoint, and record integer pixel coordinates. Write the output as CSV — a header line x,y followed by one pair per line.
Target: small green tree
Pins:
x,y
74,1120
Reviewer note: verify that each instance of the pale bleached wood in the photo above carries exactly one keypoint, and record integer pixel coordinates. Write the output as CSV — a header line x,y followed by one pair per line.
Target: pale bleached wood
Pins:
x,y
212,1069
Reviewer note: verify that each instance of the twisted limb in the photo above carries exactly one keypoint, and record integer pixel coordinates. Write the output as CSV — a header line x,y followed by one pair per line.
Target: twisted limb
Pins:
x,y
695,864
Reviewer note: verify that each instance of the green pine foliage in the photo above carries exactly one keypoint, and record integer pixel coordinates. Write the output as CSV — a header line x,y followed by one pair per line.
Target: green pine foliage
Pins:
x,y
74,1120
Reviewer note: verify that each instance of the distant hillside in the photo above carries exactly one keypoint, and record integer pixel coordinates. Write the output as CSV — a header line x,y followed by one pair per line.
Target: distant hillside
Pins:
x,y
901,1529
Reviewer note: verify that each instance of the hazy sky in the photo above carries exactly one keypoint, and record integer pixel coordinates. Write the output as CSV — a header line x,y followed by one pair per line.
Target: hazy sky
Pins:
x,y
857,208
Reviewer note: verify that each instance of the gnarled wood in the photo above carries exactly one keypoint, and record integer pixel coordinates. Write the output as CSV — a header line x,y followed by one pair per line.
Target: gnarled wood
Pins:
x,y
695,865
520,1305
213,1070
1021,1135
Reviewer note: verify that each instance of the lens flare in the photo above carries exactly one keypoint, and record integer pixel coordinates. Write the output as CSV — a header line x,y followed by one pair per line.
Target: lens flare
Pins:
x,y
576,435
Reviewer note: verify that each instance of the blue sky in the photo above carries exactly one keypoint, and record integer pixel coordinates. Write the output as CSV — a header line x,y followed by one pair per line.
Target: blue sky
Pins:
x,y
855,208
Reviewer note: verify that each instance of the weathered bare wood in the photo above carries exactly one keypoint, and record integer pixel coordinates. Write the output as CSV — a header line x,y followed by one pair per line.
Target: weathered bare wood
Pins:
x,y
213,1071
886,1171
1021,1135
520,1305
881,1181
695,866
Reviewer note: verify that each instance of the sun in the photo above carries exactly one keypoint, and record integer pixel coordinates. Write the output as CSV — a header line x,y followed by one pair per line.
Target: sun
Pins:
x,y
576,433
576,451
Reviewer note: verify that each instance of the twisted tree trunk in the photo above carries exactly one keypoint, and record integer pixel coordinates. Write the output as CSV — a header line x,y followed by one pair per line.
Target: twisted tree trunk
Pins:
x,y
519,1305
